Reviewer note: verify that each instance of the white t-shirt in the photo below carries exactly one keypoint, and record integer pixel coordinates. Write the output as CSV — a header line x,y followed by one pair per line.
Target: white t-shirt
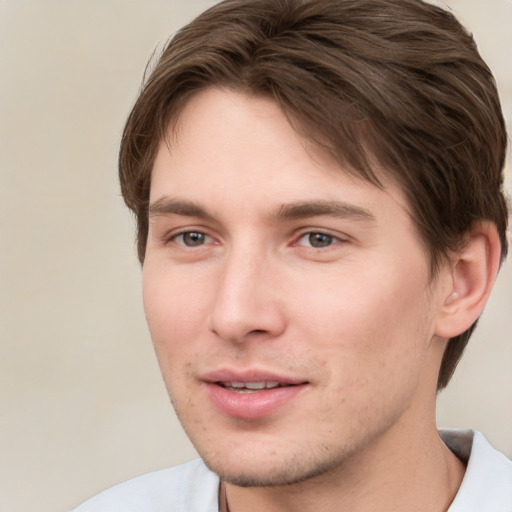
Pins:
x,y
192,487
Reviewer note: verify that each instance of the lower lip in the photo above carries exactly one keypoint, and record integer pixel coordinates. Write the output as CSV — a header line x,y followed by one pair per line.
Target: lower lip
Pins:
x,y
253,405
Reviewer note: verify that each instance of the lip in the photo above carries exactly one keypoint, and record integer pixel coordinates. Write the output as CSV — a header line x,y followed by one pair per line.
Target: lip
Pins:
x,y
251,405
249,375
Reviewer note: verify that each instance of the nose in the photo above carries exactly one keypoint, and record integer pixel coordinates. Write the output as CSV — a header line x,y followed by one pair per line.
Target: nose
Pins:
x,y
247,300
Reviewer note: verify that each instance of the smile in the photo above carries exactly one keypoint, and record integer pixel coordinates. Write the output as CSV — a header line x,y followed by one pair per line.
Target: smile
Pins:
x,y
252,399
250,387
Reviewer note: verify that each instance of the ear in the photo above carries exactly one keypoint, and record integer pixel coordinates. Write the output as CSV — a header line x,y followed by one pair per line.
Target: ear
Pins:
x,y
472,271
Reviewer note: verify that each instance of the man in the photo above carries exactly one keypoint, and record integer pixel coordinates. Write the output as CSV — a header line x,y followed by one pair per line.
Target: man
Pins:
x,y
318,190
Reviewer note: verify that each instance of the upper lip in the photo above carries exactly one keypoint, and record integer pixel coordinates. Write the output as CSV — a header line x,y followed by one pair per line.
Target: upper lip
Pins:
x,y
249,375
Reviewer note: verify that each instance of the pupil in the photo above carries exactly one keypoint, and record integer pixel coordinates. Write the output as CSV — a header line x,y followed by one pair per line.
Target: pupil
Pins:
x,y
320,240
193,239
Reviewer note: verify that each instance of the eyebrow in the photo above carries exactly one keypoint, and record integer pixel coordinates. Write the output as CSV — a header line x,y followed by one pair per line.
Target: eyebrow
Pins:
x,y
289,211
170,206
339,209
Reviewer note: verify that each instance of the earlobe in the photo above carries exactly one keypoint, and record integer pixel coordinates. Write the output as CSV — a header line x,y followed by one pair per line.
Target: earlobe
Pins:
x,y
473,272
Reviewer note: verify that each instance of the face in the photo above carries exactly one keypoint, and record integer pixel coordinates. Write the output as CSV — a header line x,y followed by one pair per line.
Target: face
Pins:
x,y
290,304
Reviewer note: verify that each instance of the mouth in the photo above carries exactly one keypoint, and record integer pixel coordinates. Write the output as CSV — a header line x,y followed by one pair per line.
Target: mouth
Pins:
x,y
251,387
251,395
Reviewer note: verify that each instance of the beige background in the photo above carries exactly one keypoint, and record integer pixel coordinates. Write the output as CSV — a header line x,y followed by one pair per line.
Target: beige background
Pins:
x,y
81,401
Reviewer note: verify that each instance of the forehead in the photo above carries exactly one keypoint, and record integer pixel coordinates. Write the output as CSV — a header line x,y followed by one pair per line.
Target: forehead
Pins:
x,y
224,141
226,121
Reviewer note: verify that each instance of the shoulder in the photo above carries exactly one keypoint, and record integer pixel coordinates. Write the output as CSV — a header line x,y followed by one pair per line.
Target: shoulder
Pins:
x,y
189,487
487,484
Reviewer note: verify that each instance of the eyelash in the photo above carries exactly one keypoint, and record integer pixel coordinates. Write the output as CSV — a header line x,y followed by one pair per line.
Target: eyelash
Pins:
x,y
331,239
321,237
175,237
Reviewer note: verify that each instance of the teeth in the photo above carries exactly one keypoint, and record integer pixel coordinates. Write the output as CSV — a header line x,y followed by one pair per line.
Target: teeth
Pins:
x,y
251,385
235,384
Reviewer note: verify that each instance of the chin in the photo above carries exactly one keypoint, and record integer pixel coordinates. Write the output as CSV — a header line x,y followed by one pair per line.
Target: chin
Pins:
x,y
289,470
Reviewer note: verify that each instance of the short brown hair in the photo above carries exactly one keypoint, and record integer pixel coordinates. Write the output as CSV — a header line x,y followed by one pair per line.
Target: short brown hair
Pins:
x,y
399,82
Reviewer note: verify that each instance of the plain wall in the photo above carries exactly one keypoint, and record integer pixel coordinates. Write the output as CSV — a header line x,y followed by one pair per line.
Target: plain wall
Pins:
x,y
82,405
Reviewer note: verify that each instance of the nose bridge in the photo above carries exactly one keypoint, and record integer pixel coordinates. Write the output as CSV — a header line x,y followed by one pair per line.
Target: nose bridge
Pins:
x,y
245,300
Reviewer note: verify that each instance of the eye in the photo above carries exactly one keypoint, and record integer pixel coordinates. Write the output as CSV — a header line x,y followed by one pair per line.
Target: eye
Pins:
x,y
317,240
192,239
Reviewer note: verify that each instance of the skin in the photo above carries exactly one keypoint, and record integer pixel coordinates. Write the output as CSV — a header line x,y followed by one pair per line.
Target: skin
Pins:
x,y
264,256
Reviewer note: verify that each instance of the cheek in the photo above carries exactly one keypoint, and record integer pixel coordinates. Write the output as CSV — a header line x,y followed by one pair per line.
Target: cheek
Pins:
x,y
172,313
369,325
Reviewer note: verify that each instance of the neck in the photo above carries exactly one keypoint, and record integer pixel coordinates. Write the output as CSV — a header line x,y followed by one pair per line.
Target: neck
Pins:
x,y
393,474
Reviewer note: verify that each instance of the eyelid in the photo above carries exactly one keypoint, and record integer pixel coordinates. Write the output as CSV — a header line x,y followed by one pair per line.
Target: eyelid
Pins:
x,y
172,235
327,232
207,238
